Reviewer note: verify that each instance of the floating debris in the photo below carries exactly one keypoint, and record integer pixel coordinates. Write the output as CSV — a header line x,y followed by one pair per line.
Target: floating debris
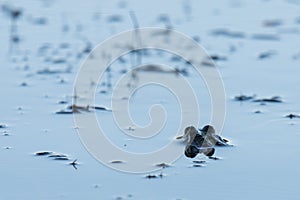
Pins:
x,y
59,61
100,108
14,13
207,63
5,134
197,165
24,84
39,21
54,156
61,158
77,109
130,128
196,38
214,158
244,97
274,99
73,109
268,37
116,162
199,161
62,102
163,165
175,58
64,45
156,68
64,112
154,176
228,33
218,58
43,153
48,71
57,156
74,164
96,186
266,54
3,126
272,23
291,116
115,18
165,19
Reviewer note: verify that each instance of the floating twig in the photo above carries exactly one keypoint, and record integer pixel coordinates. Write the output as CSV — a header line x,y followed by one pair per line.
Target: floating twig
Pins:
x,y
74,164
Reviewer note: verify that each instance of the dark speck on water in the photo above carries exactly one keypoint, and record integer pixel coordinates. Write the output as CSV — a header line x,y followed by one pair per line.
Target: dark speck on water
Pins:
x,y
40,21
64,45
270,37
43,153
218,58
24,84
14,13
214,158
117,162
59,61
296,56
62,102
297,20
243,97
266,54
2,126
291,116
6,134
115,18
163,165
207,63
228,33
175,58
272,23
